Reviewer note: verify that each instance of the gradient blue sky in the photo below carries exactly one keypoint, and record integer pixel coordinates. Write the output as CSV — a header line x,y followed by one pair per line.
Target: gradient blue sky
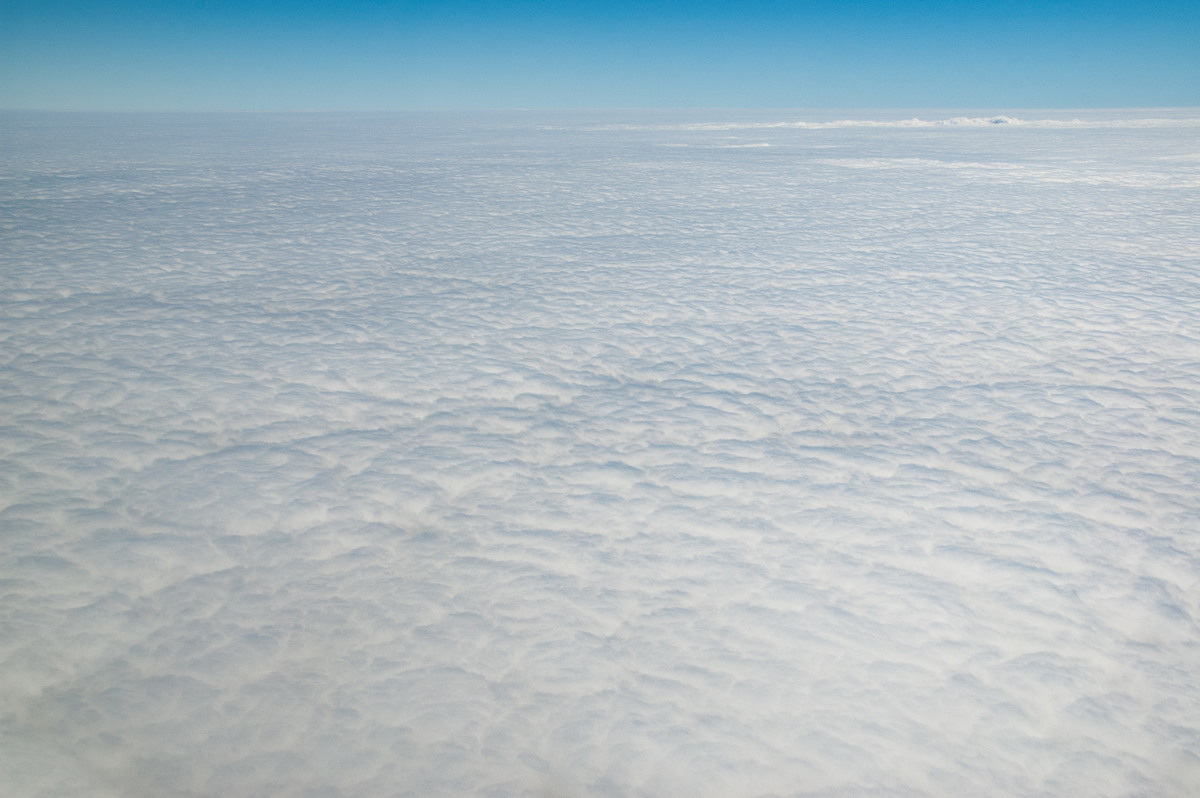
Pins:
x,y
383,54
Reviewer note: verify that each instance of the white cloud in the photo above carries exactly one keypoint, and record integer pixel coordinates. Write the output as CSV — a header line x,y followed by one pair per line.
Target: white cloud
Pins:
x,y
413,456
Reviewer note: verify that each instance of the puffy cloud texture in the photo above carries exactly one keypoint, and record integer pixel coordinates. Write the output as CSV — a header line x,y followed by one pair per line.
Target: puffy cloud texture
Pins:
x,y
582,455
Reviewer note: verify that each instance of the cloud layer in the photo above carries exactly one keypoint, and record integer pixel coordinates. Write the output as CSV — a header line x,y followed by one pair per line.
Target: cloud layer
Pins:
x,y
513,455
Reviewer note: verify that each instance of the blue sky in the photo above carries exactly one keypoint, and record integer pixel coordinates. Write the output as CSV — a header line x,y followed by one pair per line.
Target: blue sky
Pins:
x,y
383,55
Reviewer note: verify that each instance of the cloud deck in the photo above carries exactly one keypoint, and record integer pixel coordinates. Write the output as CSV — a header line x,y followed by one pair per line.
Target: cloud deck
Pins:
x,y
530,454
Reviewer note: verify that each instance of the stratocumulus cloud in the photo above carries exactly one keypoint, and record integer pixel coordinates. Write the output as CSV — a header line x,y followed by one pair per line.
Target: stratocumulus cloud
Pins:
x,y
705,455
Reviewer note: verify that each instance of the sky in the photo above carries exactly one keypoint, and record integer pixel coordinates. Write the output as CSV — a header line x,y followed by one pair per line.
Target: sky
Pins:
x,y
268,55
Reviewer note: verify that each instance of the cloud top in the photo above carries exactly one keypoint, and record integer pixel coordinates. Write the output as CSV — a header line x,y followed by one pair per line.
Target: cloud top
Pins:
x,y
454,455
